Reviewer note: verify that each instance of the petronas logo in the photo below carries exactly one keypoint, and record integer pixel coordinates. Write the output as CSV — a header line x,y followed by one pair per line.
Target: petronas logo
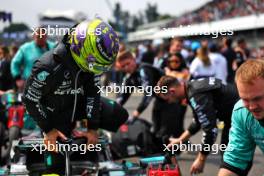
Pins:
x,y
42,76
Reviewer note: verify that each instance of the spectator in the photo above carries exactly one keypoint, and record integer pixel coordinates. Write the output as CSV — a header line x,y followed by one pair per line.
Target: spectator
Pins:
x,y
28,53
230,56
175,112
204,43
6,83
202,66
195,45
216,10
219,61
176,46
176,67
23,61
160,58
141,49
13,50
149,55
242,53
6,80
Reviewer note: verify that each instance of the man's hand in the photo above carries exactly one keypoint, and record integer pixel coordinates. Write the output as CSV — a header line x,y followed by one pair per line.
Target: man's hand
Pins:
x,y
50,139
2,92
136,114
20,83
90,135
184,136
198,165
174,141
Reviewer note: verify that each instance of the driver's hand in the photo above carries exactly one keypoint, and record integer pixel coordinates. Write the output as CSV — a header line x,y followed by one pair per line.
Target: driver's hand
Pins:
x,y
50,139
92,137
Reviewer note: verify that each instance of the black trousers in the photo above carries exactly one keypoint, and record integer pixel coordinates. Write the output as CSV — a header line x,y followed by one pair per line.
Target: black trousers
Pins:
x,y
225,133
168,119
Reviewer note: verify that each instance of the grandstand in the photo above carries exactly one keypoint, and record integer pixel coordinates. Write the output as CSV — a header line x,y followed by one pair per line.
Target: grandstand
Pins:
x,y
60,18
242,17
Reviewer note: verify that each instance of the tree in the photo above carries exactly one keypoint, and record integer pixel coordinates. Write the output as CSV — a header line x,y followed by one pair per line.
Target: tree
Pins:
x,y
135,22
16,27
164,17
117,12
125,22
151,13
122,19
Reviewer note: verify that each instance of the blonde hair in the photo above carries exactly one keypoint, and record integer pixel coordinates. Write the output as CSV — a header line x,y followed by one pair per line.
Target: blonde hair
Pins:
x,y
250,70
124,55
202,54
167,81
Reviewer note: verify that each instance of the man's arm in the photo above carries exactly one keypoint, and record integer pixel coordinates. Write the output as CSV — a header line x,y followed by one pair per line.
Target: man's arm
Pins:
x,y
205,114
93,102
16,63
123,96
203,107
184,137
241,147
36,87
147,82
194,127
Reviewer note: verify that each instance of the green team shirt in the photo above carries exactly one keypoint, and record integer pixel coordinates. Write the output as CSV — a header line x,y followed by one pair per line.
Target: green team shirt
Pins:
x,y
245,134
25,57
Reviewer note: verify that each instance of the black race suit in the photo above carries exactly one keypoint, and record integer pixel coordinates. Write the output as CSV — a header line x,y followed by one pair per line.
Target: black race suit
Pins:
x,y
210,100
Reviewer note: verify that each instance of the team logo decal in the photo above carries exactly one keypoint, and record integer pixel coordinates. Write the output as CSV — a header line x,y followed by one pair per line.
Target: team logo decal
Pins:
x,y
42,76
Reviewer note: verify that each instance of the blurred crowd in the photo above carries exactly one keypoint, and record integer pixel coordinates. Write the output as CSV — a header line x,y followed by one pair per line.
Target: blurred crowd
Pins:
x,y
194,59
16,62
220,9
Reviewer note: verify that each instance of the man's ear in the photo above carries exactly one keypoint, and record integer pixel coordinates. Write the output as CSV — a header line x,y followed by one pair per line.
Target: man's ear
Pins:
x,y
117,66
